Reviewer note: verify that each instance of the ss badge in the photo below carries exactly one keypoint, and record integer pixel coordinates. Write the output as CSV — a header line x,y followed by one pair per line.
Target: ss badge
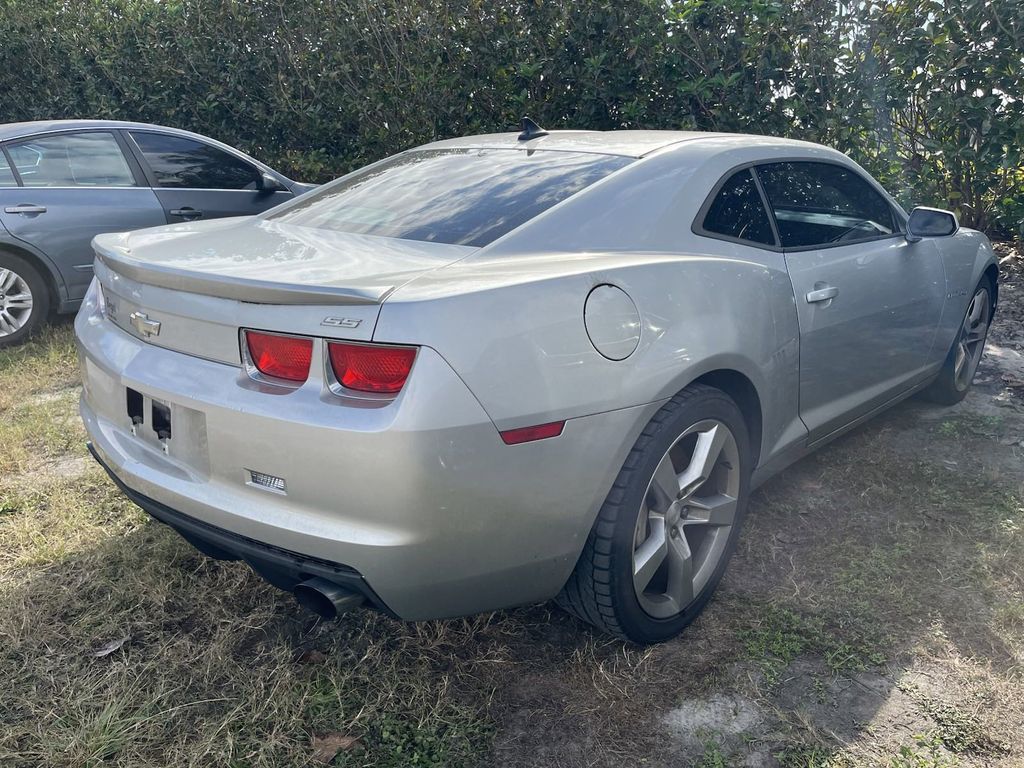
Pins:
x,y
340,322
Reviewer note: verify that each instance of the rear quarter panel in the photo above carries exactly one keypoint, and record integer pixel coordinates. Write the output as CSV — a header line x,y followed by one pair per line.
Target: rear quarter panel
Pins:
x,y
516,335
46,265
509,319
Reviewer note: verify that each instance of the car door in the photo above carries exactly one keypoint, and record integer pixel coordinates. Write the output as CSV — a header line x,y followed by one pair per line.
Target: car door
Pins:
x,y
867,301
70,187
195,180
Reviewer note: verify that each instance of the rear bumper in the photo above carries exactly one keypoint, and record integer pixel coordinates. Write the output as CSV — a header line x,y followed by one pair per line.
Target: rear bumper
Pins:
x,y
280,567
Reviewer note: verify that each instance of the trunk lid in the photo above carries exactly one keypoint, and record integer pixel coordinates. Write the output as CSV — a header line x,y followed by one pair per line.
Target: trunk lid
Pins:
x,y
202,282
266,262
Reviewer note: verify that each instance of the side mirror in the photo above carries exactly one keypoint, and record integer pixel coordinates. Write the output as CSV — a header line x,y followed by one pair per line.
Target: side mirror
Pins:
x,y
930,222
269,183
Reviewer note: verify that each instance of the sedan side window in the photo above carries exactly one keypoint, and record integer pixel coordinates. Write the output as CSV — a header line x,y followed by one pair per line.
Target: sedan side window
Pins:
x,y
6,174
819,204
738,211
184,163
91,159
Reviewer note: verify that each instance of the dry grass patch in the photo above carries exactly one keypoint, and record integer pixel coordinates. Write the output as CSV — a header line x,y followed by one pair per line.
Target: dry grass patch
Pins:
x,y
39,421
873,616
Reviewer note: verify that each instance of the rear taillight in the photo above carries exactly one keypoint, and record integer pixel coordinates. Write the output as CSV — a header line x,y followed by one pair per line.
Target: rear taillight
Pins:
x,y
371,367
281,357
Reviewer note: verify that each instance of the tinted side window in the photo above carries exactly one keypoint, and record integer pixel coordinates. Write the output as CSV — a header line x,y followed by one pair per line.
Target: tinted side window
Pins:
x,y
737,211
821,204
6,174
71,160
186,163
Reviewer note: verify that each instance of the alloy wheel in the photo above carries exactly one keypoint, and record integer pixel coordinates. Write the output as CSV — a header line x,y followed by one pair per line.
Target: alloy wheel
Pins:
x,y
15,302
971,342
684,521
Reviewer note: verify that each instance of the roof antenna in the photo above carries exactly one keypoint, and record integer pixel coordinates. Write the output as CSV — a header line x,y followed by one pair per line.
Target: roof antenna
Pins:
x,y
530,130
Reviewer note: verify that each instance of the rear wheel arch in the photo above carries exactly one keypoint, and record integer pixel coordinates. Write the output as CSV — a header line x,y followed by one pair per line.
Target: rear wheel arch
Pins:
x,y
53,280
743,392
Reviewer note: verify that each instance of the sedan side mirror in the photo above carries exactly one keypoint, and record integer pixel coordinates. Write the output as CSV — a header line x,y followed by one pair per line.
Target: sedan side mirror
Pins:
x,y
930,222
269,183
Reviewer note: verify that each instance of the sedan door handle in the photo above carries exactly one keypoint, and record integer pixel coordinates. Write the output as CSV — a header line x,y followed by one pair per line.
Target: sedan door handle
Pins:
x,y
25,209
822,294
187,213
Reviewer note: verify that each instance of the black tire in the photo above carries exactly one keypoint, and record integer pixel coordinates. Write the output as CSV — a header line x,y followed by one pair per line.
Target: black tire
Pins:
x,y
40,310
600,590
945,389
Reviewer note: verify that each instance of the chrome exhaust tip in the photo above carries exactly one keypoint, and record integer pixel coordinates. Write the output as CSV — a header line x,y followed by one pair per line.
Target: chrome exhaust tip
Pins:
x,y
325,598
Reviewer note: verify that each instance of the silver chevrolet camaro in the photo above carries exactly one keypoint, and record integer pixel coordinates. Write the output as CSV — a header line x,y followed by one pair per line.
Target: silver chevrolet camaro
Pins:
x,y
506,368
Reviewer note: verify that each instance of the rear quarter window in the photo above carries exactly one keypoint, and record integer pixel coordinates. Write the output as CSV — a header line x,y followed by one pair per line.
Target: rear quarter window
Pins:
x,y
738,212
454,196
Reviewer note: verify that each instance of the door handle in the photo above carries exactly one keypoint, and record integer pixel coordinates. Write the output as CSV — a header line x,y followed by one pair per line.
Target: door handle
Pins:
x,y
187,213
25,209
822,294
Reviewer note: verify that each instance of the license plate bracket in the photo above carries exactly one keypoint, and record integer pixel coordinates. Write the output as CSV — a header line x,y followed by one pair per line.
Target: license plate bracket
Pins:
x,y
161,420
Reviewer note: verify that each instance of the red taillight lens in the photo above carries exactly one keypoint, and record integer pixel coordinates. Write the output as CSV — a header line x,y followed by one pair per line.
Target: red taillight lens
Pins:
x,y
371,368
529,434
283,357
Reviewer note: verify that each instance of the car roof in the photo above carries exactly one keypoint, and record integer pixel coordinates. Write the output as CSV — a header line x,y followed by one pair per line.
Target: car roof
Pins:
x,y
16,130
626,143
10,131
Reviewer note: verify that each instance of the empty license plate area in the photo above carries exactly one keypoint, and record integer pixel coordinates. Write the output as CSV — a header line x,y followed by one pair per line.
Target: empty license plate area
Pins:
x,y
178,431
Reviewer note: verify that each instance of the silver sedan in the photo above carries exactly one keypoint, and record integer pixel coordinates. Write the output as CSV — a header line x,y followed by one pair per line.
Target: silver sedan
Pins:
x,y
507,368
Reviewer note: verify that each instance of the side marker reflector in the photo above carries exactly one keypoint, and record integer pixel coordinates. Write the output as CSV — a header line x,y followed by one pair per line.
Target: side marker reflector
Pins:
x,y
529,434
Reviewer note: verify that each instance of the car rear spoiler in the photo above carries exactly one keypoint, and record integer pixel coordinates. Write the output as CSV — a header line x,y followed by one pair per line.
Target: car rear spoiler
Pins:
x,y
113,253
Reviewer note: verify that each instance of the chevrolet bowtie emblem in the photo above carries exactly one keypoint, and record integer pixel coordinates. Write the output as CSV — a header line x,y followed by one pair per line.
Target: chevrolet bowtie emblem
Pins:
x,y
145,326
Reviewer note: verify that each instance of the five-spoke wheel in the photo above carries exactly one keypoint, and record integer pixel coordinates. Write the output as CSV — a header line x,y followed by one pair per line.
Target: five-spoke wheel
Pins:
x,y
685,518
669,525
954,378
971,343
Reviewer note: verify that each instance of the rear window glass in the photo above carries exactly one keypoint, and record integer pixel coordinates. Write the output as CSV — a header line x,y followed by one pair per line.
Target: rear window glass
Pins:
x,y
455,196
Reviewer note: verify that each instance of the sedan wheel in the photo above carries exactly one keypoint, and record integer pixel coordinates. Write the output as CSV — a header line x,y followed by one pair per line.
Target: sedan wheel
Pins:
x,y
24,300
15,302
664,535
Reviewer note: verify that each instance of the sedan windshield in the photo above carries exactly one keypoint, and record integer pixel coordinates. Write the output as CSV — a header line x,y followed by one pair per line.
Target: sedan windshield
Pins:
x,y
455,196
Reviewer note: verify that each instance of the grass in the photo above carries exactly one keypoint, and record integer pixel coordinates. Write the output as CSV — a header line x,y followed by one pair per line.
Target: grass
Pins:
x,y
37,398
972,425
712,757
779,635
860,567
925,753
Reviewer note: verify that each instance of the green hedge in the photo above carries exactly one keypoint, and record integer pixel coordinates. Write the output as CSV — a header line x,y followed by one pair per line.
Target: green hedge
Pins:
x,y
927,94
